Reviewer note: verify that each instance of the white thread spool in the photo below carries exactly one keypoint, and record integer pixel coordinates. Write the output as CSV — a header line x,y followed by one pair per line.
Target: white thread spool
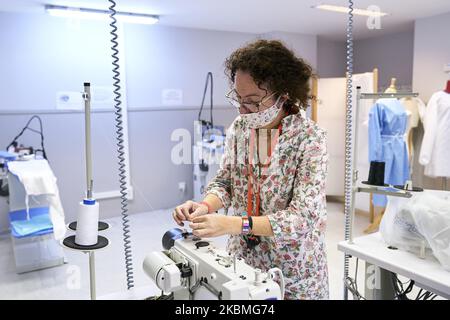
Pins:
x,y
87,223
258,277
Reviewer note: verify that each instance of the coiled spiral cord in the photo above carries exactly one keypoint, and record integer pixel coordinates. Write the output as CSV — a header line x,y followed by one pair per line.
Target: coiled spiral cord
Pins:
x,y
120,147
348,139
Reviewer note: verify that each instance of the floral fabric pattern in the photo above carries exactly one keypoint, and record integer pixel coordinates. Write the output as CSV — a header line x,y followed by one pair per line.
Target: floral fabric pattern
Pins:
x,y
292,196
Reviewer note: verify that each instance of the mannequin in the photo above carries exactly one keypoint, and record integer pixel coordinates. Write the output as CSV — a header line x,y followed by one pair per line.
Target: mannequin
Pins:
x,y
392,88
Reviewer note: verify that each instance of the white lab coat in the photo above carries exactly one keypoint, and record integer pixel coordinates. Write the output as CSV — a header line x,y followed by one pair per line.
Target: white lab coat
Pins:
x,y
435,152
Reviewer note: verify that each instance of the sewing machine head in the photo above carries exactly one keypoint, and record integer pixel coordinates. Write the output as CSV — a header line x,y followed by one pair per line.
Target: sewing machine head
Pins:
x,y
195,269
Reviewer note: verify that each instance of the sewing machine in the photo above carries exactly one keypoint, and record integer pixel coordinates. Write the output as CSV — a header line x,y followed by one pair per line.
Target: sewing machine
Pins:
x,y
194,269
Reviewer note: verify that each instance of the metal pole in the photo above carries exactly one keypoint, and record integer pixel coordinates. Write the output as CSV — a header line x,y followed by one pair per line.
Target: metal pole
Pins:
x,y
87,115
92,274
355,165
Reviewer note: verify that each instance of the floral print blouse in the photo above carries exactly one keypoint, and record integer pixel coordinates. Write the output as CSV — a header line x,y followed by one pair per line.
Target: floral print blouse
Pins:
x,y
292,196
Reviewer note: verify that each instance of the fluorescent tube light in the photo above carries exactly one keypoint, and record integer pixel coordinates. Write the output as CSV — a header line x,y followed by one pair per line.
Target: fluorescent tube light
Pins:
x,y
341,9
94,14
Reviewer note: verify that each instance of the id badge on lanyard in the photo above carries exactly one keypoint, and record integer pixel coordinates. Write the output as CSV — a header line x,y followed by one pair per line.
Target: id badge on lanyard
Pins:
x,y
254,183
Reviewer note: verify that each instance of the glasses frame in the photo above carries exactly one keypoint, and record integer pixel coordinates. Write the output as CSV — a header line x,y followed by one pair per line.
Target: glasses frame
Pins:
x,y
239,103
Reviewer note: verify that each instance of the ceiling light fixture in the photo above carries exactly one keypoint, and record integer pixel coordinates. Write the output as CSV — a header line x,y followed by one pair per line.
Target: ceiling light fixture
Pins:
x,y
95,14
341,9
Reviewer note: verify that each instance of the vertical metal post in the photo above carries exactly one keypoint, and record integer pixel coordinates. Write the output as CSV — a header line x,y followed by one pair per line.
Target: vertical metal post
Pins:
x,y
355,164
92,274
87,115
378,283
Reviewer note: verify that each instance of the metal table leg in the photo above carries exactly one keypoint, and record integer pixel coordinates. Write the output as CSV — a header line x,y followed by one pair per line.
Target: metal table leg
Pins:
x,y
378,283
92,274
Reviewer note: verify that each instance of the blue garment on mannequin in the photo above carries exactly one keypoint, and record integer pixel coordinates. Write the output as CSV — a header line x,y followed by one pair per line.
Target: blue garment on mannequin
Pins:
x,y
388,122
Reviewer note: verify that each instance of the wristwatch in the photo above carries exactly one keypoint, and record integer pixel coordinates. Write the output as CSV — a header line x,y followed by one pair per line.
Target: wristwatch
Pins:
x,y
245,223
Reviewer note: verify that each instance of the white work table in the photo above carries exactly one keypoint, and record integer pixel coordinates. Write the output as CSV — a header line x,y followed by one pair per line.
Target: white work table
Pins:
x,y
427,273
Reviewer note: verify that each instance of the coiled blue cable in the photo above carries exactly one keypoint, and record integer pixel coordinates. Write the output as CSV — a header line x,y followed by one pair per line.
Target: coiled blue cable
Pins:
x,y
120,148
348,139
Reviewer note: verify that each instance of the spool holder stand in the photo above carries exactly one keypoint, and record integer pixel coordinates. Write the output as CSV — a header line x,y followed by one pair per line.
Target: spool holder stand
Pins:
x,y
102,242
69,243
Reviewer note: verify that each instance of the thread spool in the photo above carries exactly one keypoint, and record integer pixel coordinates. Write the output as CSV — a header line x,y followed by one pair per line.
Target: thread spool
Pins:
x,y
87,223
258,277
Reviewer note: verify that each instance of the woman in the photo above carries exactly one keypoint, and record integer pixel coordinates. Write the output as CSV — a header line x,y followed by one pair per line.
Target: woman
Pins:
x,y
272,173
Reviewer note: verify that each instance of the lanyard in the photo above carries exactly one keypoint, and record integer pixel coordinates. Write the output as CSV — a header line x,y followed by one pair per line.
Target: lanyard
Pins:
x,y
252,178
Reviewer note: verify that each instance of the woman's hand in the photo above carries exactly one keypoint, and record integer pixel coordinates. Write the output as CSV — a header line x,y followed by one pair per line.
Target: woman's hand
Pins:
x,y
215,225
186,210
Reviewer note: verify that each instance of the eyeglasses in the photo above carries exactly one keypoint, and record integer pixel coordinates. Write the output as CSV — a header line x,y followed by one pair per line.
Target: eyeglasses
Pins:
x,y
234,99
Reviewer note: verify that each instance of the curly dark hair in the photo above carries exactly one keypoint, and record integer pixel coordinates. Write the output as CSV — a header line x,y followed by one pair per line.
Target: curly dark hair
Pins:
x,y
270,63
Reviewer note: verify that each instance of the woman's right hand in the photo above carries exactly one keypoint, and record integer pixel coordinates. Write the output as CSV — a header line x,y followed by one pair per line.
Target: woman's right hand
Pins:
x,y
187,211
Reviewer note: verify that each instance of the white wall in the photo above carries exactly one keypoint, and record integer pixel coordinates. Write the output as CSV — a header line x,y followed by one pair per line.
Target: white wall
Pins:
x,y
431,53
331,58
391,54
304,46
42,55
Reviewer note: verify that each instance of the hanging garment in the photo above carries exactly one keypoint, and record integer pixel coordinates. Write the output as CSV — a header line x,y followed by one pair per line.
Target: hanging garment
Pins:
x,y
435,152
388,122
416,106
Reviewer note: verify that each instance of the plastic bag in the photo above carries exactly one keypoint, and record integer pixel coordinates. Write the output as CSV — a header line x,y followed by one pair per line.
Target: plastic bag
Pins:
x,y
398,228
423,220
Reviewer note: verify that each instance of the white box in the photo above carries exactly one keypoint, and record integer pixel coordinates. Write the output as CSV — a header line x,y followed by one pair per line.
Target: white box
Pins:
x,y
37,252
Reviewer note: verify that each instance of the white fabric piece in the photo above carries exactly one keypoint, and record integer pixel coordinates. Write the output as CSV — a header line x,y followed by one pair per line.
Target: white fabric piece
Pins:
x,y
417,107
38,179
423,219
435,152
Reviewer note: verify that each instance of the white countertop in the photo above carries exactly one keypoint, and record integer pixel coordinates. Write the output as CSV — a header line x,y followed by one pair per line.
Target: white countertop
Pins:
x,y
427,273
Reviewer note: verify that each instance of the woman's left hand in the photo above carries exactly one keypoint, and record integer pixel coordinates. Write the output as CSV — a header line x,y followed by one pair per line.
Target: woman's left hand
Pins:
x,y
215,225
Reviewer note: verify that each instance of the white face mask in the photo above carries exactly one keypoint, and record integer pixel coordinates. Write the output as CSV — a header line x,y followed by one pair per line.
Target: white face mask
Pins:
x,y
261,119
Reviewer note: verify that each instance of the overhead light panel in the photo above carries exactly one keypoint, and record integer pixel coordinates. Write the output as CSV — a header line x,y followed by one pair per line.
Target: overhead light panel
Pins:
x,y
95,14
342,9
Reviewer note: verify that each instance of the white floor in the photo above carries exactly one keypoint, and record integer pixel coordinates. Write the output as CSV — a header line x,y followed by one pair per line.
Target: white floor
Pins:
x,y
146,231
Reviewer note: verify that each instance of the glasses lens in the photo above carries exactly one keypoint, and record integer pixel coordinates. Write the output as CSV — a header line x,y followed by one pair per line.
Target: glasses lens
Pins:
x,y
243,107
234,103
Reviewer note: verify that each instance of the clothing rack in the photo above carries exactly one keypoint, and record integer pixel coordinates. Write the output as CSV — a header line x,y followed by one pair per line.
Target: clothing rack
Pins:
x,y
351,157
386,95
369,189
